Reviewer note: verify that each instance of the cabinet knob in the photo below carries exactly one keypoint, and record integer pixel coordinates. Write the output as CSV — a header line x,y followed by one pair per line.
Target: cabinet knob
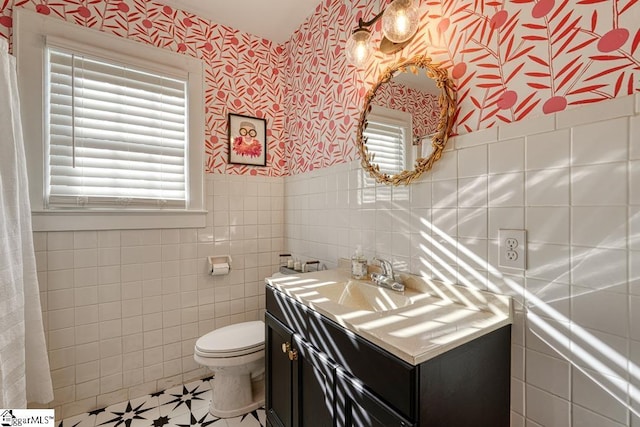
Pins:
x,y
293,355
286,347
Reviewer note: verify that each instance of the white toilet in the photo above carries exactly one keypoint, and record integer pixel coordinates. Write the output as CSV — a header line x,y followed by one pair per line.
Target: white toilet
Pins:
x,y
235,354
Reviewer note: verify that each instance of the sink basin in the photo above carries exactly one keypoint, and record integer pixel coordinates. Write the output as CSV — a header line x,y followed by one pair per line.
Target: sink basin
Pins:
x,y
364,296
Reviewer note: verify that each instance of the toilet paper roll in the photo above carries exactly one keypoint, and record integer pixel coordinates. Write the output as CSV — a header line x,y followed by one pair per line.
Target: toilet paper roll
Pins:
x,y
220,269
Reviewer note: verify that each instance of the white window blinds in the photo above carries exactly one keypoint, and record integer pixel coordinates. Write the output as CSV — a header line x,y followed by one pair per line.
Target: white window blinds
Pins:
x,y
387,142
117,135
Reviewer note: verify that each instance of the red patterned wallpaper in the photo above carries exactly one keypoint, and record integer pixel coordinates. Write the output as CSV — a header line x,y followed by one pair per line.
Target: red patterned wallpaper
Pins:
x,y
243,73
423,106
511,59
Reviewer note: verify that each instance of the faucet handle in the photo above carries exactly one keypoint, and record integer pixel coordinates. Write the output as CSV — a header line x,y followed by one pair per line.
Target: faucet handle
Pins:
x,y
387,267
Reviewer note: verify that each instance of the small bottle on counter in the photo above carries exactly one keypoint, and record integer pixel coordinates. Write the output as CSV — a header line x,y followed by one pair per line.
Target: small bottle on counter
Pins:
x,y
358,265
290,262
297,266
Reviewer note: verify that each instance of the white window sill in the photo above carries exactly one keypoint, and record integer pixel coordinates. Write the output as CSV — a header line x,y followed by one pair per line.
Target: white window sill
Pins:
x,y
78,220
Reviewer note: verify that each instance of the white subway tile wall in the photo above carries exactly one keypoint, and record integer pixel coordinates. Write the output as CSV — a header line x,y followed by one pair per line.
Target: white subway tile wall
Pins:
x,y
123,309
572,179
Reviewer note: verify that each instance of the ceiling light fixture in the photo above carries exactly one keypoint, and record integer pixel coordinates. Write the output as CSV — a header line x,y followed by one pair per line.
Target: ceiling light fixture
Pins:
x,y
399,26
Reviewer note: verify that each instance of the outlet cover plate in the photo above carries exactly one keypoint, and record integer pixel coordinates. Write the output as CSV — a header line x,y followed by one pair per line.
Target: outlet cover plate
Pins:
x,y
512,247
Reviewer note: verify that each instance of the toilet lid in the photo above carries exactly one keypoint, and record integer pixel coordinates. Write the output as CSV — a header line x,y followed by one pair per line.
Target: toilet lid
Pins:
x,y
246,336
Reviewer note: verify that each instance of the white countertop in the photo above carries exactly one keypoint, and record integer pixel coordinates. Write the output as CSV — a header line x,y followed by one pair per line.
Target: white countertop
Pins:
x,y
428,319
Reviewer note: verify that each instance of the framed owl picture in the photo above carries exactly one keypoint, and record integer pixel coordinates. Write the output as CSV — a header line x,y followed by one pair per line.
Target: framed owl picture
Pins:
x,y
247,140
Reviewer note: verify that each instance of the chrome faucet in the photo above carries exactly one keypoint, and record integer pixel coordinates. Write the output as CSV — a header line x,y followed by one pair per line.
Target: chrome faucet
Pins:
x,y
387,267
386,279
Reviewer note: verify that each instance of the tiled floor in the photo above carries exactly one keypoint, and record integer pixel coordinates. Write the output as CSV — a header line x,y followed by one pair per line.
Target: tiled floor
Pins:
x,y
183,406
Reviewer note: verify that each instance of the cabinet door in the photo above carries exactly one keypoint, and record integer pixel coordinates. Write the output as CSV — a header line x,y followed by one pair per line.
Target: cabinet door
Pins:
x,y
314,375
358,407
279,378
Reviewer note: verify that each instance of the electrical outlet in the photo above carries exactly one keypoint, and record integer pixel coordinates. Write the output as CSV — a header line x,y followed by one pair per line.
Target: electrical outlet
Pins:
x,y
513,249
511,243
511,255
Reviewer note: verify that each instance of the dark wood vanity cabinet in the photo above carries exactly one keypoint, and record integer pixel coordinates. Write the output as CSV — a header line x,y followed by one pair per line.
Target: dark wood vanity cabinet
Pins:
x,y
359,407
278,374
300,380
320,374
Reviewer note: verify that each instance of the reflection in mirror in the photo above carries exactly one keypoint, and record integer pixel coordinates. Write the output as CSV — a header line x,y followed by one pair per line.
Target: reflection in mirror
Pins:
x,y
415,94
406,120
389,137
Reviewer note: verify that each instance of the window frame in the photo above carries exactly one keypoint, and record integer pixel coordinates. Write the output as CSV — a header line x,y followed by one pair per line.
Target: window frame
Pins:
x,y
400,119
30,42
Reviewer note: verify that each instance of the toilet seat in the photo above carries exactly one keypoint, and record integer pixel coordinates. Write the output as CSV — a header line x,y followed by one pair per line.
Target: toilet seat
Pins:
x,y
232,341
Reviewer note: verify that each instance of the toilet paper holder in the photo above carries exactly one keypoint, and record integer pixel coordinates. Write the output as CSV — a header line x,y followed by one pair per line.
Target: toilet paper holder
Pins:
x,y
219,265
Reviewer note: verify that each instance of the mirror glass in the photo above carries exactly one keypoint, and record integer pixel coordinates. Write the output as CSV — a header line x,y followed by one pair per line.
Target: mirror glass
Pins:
x,y
406,120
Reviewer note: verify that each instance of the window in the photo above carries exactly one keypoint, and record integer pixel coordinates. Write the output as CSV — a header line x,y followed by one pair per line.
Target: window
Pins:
x,y
386,141
116,135
388,137
122,132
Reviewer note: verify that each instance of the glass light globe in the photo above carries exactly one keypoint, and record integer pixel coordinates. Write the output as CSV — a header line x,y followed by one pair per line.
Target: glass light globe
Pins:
x,y
358,48
400,21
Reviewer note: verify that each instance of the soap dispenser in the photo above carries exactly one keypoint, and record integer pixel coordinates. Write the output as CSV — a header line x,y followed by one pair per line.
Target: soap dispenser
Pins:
x,y
358,265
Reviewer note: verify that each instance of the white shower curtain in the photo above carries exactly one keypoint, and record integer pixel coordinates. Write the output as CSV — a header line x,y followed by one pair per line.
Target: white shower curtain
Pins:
x,y
24,366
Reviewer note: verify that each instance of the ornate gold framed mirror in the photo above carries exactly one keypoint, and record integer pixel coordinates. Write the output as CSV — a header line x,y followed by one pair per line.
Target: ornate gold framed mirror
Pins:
x,y
406,120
